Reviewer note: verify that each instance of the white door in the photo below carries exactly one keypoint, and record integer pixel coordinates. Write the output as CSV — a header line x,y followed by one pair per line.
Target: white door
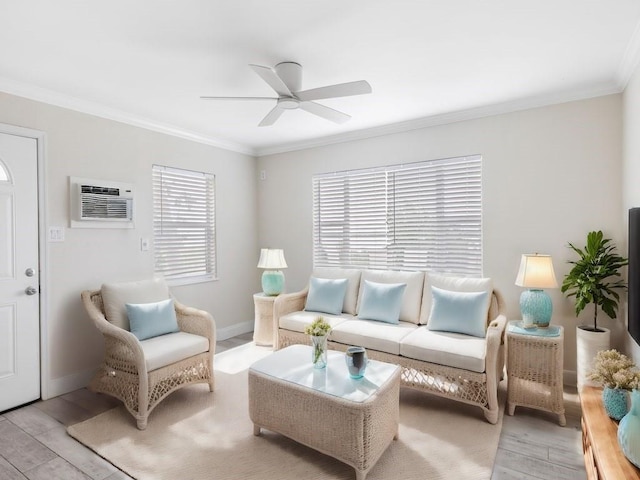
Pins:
x,y
19,276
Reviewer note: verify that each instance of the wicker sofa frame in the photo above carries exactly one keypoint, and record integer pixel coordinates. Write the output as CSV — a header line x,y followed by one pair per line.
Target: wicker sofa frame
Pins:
x,y
123,373
480,389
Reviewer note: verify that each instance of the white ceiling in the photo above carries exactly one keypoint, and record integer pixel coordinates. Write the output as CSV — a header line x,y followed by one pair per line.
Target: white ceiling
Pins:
x,y
147,62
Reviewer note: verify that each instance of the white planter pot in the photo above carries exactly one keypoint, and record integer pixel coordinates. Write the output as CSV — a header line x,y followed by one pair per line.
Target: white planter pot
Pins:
x,y
588,345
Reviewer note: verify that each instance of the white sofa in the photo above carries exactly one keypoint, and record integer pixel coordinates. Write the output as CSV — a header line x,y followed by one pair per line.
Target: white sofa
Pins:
x,y
463,367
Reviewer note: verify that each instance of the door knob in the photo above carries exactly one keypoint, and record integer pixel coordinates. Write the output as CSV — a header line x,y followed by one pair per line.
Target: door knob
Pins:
x,y
29,272
31,290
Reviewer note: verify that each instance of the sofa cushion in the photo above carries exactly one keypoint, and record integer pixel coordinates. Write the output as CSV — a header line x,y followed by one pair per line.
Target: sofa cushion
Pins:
x,y
353,279
148,320
443,348
455,284
459,312
167,349
380,336
412,299
115,295
326,295
297,321
381,301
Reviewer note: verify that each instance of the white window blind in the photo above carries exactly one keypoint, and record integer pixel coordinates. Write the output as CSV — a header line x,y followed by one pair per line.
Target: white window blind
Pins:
x,y
418,216
184,224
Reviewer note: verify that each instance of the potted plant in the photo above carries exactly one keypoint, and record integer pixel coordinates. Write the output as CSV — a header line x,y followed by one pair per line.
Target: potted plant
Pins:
x,y
618,375
594,279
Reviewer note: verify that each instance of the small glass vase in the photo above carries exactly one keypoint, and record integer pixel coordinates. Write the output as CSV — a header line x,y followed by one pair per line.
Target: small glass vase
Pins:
x,y
356,358
629,431
319,351
615,401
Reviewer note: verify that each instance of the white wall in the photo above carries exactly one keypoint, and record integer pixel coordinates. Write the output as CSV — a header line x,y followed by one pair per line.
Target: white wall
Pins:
x,y
550,175
631,169
86,146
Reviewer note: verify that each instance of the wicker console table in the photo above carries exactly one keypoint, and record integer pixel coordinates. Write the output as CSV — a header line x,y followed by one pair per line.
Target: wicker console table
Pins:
x,y
534,370
603,457
351,420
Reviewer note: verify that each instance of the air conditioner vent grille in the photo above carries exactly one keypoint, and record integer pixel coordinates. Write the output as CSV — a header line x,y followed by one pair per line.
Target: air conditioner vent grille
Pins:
x,y
104,207
100,190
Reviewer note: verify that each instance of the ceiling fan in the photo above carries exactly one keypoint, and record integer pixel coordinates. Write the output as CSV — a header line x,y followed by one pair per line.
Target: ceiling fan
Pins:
x,y
286,80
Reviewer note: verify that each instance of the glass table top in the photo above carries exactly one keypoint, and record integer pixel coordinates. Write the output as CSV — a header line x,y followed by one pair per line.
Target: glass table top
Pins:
x,y
293,364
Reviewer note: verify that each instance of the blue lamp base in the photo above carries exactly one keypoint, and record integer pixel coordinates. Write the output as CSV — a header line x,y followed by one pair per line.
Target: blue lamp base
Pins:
x,y
272,282
536,308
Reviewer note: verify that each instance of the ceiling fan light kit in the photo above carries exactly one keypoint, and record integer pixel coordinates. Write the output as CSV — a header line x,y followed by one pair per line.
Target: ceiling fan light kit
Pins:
x,y
286,80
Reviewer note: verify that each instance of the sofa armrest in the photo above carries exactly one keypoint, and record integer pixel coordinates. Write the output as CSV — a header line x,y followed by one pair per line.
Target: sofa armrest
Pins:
x,y
284,304
197,322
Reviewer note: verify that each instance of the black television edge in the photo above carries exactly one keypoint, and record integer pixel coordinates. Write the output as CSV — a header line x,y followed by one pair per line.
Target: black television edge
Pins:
x,y
633,320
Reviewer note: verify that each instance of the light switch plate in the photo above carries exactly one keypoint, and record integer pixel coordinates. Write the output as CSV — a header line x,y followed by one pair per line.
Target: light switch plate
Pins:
x,y
56,234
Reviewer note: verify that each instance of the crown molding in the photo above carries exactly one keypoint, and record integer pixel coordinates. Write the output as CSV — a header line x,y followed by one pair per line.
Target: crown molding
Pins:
x,y
630,60
65,101
446,118
92,108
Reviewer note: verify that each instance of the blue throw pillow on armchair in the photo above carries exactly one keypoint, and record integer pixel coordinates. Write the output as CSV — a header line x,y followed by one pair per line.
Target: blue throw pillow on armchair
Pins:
x,y
381,301
147,320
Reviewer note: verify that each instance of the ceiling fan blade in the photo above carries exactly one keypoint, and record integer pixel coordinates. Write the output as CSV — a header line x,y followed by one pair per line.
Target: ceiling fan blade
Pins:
x,y
272,116
274,81
238,98
325,112
340,90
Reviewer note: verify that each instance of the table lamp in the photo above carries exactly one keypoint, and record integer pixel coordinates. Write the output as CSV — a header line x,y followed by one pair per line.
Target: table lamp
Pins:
x,y
272,260
536,273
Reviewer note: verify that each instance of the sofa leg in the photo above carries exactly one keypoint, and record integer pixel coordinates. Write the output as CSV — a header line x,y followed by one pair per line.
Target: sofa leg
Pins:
x,y
491,416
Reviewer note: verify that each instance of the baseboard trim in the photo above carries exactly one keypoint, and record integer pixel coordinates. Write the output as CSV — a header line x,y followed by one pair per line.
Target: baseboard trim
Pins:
x,y
570,377
234,330
60,386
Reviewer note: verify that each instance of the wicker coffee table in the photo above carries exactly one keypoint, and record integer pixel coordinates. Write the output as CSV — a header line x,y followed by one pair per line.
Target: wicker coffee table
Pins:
x,y
353,421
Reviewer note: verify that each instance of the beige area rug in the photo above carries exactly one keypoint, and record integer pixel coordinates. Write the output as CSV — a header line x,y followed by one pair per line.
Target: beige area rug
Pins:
x,y
194,434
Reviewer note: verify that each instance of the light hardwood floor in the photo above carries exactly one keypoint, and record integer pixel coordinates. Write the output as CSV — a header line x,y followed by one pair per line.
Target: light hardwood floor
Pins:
x,y
34,444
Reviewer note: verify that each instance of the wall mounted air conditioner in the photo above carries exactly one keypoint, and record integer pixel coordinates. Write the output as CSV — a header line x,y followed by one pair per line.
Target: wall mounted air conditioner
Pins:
x,y
100,204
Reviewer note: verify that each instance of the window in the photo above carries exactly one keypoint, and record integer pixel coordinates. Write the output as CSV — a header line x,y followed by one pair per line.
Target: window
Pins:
x,y
4,176
418,216
184,225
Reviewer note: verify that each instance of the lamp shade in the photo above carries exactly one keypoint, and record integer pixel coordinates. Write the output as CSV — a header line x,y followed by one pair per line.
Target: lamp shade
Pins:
x,y
536,271
272,259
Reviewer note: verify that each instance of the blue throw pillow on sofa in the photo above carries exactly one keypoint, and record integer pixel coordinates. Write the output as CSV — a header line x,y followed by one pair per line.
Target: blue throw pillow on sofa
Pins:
x,y
326,295
459,312
381,301
147,320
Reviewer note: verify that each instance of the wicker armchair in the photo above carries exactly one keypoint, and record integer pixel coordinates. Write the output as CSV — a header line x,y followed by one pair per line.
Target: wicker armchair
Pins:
x,y
127,375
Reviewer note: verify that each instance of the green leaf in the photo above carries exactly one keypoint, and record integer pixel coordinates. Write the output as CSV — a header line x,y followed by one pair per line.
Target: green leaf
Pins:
x,y
595,276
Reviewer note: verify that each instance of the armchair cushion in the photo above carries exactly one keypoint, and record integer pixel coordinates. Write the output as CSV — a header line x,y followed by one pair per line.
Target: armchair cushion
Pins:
x,y
167,349
148,320
116,295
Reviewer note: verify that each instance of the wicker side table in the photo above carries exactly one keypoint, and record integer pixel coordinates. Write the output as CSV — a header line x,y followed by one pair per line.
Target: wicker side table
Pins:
x,y
263,326
534,369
